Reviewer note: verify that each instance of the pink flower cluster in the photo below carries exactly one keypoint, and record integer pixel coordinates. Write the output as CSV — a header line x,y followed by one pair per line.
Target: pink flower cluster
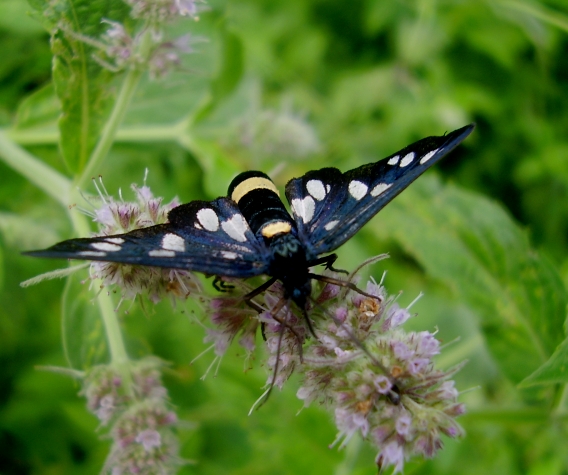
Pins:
x,y
136,410
378,380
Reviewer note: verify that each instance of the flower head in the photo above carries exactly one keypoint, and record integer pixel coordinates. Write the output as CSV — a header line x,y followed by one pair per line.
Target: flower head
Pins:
x,y
389,391
118,217
377,379
164,10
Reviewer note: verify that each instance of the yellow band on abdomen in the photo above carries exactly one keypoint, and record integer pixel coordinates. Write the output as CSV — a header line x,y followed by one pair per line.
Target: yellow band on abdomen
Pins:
x,y
278,227
254,183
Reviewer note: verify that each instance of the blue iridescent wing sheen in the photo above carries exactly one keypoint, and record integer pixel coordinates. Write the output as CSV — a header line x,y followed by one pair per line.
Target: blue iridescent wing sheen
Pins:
x,y
209,237
329,207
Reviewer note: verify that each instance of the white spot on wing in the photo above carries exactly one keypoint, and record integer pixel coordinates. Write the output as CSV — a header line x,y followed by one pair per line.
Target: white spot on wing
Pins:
x,y
428,156
115,240
316,189
380,189
106,246
327,188
197,225
357,189
329,226
92,253
173,242
161,253
394,160
229,254
236,227
208,219
304,208
407,159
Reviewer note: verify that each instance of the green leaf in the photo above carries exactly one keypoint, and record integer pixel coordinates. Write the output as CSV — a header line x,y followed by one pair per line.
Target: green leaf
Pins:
x,y
40,109
555,370
472,245
229,74
81,83
15,19
218,167
82,329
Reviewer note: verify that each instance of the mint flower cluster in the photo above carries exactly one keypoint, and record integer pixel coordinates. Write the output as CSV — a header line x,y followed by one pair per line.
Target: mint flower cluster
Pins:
x,y
136,411
142,44
378,380
119,216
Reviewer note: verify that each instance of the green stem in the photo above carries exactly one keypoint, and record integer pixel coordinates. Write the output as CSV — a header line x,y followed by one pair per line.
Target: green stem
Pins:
x,y
118,353
131,133
43,176
123,99
110,129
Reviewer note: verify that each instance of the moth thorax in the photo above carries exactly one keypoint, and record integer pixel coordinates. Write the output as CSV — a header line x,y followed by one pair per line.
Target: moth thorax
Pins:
x,y
286,246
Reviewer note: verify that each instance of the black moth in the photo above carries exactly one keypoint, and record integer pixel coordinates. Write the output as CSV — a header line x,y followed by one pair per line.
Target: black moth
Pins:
x,y
250,232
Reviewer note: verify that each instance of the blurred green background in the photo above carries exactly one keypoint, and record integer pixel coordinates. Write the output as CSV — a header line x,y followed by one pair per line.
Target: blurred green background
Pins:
x,y
293,86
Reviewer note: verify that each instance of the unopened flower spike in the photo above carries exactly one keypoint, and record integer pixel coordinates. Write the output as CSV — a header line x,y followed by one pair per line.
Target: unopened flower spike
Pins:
x,y
137,416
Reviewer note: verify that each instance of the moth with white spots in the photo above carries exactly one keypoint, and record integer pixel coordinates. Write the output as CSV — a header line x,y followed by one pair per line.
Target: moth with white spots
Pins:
x,y
250,232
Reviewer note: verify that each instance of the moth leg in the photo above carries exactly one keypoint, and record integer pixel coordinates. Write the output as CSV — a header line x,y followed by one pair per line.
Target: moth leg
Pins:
x,y
283,326
221,286
274,313
273,380
340,283
328,261
309,323
252,294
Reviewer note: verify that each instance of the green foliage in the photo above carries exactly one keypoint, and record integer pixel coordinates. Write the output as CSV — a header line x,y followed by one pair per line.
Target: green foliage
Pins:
x,y
366,78
81,83
489,265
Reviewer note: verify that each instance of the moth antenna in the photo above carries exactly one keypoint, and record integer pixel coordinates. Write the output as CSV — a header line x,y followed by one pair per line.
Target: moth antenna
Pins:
x,y
365,263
